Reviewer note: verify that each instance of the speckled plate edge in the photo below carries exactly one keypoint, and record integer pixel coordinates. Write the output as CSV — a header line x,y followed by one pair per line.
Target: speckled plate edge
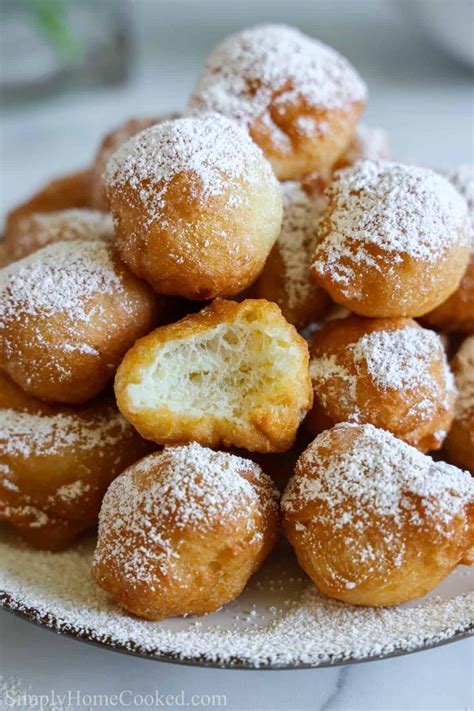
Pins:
x,y
53,624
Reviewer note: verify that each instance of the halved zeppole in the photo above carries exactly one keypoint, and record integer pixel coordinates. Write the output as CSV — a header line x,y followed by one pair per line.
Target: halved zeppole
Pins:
x,y
235,374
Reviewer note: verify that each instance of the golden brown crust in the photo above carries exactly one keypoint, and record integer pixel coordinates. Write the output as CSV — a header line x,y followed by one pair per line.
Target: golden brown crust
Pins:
x,y
56,463
303,153
235,374
68,191
214,519
456,314
69,313
459,445
390,373
373,521
285,278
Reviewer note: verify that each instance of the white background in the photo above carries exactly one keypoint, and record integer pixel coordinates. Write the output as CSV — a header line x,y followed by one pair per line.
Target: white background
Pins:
x,y
425,101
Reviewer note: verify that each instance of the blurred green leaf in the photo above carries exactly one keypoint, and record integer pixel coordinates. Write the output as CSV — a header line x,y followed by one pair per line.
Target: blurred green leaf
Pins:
x,y
51,19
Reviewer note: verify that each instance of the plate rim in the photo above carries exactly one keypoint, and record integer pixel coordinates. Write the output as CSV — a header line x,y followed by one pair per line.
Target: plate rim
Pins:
x,y
51,623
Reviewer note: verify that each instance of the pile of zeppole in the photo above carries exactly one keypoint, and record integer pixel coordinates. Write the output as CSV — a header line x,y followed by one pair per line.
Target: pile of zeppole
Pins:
x,y
246,294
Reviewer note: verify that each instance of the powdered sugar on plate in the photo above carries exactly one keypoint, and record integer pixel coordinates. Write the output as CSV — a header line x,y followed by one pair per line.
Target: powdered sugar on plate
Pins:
x,y
398,209
210,149
280,619
256,73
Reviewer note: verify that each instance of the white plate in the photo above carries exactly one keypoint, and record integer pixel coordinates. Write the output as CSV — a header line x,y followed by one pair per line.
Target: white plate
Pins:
x,y
280,621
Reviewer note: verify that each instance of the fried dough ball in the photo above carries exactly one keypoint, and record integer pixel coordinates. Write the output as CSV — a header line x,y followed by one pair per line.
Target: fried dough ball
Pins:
x,y
457,312
285,278
42,228
375,522
235,374
368,143
459,445
394,240
64,193
111,143
57,462
68,314
196,206
299,99
390,373
182,531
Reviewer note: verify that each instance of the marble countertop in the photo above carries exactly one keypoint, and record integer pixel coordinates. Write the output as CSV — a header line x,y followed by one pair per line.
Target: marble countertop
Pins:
x,y
425,101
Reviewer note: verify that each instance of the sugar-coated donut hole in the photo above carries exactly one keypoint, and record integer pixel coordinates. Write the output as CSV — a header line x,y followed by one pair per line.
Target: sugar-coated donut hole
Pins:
x,y
285,278
196,206
214,518
108,146
68,314
56,463
299,99
375,522
67,192
233,375
42,228
390,373
394,240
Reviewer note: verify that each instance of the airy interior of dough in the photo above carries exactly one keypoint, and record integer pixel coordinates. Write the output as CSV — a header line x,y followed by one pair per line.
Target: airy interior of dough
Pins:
x,y
227,371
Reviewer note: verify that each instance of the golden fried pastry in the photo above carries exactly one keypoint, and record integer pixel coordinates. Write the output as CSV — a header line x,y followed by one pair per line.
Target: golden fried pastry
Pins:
x,y
196,206
111,143
42,228
368,143
68,314
299,99
69,191
235,374
459,445
56,463
390,373
375,522
285,278
394,240
456,314
181,532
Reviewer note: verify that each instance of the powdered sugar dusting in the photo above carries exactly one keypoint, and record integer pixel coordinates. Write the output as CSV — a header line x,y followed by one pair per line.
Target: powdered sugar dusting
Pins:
x,y
399,209
297,240
60,278
378,472
279,620
211,149
463,180
23,434
192,486
256,73
400,359
368,143
39,229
